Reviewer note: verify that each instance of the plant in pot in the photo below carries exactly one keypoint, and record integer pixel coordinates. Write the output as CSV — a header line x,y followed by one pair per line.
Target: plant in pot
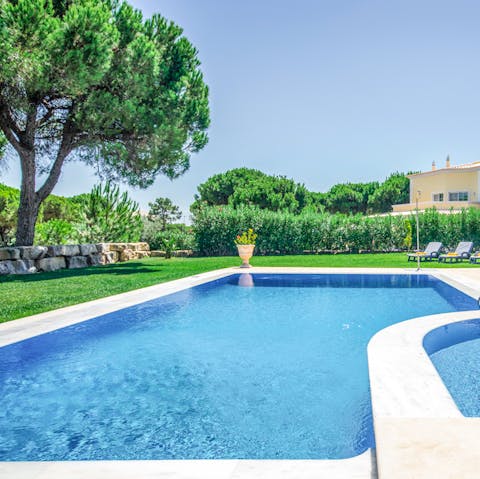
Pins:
x,y
245,245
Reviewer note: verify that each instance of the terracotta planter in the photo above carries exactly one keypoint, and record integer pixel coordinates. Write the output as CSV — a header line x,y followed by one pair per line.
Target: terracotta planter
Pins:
x,y
245,251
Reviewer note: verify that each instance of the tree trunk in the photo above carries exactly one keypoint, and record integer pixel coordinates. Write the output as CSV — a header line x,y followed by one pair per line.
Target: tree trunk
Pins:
x,y
30,199
27,218
29,205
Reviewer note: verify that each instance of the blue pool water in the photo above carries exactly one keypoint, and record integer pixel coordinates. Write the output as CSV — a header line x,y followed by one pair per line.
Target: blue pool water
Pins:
x,y
222,370
455,351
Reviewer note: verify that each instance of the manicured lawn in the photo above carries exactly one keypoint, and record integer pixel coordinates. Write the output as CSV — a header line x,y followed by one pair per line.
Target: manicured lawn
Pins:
x,y
26,295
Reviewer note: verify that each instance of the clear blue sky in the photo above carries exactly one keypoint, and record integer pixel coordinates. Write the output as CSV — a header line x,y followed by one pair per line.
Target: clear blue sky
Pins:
x,y
325,91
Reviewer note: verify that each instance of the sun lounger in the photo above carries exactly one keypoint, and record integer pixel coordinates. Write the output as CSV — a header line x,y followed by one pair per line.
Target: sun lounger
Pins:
x,y
475,258
432,251
463,251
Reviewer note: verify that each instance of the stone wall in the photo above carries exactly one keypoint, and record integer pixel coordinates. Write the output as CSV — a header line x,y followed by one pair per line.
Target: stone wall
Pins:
x,y
30,259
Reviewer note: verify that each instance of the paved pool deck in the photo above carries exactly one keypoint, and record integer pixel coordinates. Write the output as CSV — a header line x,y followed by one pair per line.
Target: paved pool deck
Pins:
x,y
419,431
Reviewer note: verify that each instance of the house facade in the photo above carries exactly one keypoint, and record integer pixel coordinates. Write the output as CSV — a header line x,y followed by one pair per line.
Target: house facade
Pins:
x,y
451,187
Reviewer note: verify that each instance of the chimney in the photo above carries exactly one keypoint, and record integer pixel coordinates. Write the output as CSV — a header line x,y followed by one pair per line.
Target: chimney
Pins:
x,y
447,164
434,166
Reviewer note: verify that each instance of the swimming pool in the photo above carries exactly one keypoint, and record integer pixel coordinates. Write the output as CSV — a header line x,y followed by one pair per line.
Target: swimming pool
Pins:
x,y
454,350
222,370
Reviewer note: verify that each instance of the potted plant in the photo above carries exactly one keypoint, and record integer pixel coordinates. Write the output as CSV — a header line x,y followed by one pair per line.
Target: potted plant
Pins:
x,y
245,245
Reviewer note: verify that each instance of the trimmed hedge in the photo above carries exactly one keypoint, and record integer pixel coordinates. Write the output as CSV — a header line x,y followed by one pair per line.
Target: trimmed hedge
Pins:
x,y
286,233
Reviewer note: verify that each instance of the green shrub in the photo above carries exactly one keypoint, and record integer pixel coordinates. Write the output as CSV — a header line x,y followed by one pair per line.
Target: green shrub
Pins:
x,y
154,234
286,233
107,215
9,200
55,232
58,207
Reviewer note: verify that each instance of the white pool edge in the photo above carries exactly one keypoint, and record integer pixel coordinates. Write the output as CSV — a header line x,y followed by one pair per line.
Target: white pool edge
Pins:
x,y
419,431
360,467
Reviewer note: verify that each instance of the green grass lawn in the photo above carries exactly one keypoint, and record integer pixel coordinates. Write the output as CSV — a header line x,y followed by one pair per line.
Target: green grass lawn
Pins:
x,y
31,294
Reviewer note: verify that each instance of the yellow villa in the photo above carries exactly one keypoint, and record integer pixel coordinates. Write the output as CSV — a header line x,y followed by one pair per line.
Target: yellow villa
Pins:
x,y
444,188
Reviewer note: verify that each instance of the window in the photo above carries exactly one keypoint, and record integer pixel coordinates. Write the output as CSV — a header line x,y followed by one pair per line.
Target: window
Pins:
x,y
438,197
458,196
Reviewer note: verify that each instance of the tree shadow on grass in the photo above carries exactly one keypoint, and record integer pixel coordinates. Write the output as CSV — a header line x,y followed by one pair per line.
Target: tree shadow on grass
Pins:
x,y
132,267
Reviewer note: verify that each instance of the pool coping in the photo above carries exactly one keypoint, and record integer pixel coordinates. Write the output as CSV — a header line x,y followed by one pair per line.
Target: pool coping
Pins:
x,y
359,467
419,431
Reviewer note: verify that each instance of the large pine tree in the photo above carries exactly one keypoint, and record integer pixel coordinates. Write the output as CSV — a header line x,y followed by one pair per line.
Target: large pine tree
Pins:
x,y
92,80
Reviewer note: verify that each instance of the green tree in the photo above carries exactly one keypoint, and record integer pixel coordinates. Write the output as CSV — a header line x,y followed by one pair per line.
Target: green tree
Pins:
x,y
107,215
394,190
350,198
343,199
164,211
94,81
244,186
57,207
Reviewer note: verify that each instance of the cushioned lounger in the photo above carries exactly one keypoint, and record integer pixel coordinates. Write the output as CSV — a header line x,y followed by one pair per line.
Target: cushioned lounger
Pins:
x,y
432,251
463,251
475,258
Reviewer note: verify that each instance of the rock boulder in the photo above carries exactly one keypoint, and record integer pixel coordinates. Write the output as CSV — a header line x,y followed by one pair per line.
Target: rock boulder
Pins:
x,y
87,249
95,259
103,247
9,253
127,254
64,250
51,264
33,252
75,262
17,266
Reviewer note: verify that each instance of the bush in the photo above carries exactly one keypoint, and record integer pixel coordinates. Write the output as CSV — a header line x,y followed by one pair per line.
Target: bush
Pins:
x,y
107,215
286,233
58,208
55,232
9,199
156,236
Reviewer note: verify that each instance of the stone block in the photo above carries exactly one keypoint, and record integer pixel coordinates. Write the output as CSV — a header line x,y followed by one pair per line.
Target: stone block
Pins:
x,y
142,254
76,262
87,249
64,250
33,252
110,257
9,253
6,267
103,247
18,266
127,255
138,246
119,247
51,264
157,253
95,259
